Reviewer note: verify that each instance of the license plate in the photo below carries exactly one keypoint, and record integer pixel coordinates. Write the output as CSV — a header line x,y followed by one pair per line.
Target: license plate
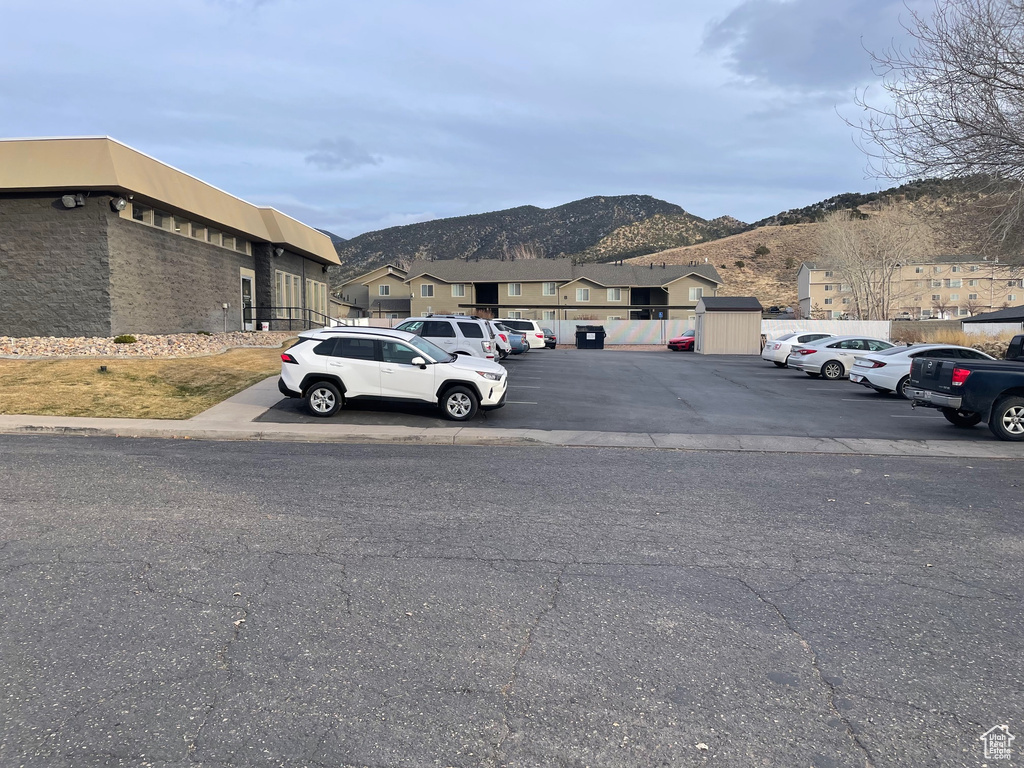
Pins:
x,y
856,379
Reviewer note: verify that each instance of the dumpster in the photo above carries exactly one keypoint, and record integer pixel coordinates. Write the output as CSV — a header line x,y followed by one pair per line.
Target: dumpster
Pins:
x,y
590,337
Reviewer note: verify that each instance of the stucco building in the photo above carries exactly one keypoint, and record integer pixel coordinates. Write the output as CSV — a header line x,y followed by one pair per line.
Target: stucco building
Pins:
x,y
939,286
98,239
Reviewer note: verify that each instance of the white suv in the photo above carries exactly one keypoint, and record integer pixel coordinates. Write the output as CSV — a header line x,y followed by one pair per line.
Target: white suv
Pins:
x,y
529,328
330,366
457,334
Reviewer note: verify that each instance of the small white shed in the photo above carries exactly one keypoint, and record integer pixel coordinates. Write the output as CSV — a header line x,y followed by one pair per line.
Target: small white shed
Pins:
x,y
728,325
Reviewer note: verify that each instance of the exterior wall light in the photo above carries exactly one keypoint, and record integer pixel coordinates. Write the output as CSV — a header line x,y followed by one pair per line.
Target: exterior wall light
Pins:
x,y
118,204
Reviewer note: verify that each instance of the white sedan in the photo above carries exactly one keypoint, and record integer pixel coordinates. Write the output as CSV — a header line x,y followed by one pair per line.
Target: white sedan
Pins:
x,y
889,370
832,358
777,350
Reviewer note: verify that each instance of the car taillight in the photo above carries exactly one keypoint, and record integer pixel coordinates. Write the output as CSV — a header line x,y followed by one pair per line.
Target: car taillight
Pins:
x,y
960,376
503,337
539,335
872,364
286,358
806,351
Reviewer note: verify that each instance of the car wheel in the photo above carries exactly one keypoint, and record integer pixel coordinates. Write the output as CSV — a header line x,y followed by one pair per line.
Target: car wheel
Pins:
x,y
832,370
901,388
502,354
778,364
1007,420
323,399
961,418
459,404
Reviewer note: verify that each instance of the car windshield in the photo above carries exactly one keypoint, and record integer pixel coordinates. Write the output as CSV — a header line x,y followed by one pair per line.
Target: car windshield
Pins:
x,y
434,351
896,351
785,336
688,334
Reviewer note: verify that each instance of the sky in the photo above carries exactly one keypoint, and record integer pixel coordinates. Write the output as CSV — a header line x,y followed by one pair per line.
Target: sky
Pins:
x,y
356,116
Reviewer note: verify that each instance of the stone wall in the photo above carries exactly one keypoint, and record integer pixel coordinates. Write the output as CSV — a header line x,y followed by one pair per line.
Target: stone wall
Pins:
x,y
163,282
53,267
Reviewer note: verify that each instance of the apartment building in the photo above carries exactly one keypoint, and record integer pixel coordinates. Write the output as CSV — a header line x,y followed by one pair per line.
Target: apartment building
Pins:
x,y
535,289
945,287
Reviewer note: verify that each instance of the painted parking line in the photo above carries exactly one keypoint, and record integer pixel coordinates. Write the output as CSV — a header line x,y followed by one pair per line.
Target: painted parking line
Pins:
x,y
519,402
522,386
874,401
915,416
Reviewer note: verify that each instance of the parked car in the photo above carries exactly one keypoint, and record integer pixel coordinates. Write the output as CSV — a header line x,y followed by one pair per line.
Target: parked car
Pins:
x,y
889,370
683,343
833,357
550,340
457,334
502,345
517,339
969,391
534,334
331,367
777,350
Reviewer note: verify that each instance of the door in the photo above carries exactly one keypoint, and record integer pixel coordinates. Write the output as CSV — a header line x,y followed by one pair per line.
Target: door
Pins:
x,y
399,378
354,361
248,278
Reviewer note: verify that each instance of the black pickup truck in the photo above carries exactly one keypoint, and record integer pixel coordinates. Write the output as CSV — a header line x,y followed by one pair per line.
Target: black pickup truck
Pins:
x,y
971,391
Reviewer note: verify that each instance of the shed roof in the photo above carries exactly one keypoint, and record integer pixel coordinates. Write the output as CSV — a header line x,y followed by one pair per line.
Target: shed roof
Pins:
x,y
731,304
1008,315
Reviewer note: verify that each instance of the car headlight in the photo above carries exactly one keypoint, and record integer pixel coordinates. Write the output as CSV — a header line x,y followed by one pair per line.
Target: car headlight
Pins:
x,y
489,376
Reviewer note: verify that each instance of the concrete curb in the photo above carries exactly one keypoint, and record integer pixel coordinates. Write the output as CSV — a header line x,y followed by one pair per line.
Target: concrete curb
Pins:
x,y
351,434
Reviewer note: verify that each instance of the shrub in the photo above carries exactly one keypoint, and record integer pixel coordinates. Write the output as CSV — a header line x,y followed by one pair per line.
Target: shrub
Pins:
x,y
762,250
741,264
125,339
790,262
203,333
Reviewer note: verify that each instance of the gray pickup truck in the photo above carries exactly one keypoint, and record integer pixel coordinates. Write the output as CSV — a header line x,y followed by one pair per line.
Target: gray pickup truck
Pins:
x,y
971,391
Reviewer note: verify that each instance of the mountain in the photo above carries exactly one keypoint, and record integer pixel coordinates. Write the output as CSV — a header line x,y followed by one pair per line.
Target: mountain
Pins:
x,y
592,229
336,239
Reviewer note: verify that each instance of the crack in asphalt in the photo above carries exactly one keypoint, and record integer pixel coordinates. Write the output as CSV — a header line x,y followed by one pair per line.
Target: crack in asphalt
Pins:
x,y
829,688
524,649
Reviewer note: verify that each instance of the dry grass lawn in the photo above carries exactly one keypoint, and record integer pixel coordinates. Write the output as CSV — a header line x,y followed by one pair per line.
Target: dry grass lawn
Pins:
x,y
135,389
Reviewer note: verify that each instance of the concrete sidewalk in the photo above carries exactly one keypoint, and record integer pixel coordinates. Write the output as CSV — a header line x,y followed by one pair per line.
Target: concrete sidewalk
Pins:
x,y
233,420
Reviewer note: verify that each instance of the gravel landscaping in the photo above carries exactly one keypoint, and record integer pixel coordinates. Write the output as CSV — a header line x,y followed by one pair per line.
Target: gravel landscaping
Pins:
x,y
167,346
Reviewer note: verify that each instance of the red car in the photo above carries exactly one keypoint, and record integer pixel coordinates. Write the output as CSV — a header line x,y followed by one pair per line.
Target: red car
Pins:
x,y
682,343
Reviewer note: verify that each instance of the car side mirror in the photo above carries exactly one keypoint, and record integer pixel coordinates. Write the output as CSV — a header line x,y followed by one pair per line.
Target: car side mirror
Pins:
x,y
419,361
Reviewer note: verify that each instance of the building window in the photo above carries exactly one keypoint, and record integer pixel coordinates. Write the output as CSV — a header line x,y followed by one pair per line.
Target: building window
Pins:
x,y
828,287
549,289
458,290
228,241
936,283
936,270
972,283
180,226
161,219
1012,297
427,291
614,294
961,311
316,297
515,314
142,213
288,297
954,297
954,283
383,290
696,294
549,314
828,273
918,270
828,301
198,231
972,296
846,300
925,313
582,294
845,287
515,289
936,297
213,236
954,269
974,267
614,317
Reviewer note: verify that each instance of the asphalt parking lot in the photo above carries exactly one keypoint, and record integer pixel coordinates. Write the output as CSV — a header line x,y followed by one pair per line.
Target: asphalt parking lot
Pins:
x,y
670,392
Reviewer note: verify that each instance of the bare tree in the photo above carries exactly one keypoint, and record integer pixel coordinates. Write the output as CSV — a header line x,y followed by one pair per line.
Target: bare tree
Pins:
x,y
867,256
941,307
955,106
522,252
973,305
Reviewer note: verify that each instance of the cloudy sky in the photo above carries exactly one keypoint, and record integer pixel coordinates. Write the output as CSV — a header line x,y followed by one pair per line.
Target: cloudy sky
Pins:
x,y
355,115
